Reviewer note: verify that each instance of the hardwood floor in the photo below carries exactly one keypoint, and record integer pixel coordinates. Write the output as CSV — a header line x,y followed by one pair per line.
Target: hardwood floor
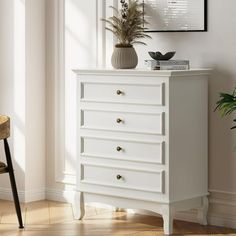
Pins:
x,y
47,218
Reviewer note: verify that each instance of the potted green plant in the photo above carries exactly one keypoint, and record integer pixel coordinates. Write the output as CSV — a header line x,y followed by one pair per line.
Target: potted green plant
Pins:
x,y
227,104
128,27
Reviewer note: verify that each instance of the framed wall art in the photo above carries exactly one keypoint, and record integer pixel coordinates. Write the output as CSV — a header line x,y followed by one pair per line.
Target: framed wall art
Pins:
x,y
176,15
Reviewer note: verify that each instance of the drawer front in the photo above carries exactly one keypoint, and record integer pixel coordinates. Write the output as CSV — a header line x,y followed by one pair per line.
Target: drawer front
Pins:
x,y
122,93
148,152
123,121
123,178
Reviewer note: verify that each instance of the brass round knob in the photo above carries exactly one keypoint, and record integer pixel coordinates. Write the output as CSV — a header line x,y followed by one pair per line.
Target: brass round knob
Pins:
x,y
118,120
118,92
119,177
119,149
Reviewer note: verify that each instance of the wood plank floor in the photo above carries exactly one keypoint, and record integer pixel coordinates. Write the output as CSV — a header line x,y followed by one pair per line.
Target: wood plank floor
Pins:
x,y
47,218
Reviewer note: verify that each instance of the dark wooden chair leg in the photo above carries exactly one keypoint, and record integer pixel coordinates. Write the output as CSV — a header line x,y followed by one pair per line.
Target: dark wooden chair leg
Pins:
x,y
13,183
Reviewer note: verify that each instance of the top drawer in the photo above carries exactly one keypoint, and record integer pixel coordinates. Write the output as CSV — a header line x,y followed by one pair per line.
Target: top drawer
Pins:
x,y
145,94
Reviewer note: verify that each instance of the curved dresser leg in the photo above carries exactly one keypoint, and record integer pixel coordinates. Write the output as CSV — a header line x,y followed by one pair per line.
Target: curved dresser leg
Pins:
x,y
202,212
168,218
78,206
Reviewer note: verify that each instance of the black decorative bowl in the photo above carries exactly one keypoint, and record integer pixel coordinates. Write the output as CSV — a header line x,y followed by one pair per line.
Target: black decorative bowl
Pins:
x,y
159,56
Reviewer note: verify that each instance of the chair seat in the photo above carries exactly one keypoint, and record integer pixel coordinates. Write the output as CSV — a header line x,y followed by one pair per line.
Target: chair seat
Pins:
x,y
3,168
4,127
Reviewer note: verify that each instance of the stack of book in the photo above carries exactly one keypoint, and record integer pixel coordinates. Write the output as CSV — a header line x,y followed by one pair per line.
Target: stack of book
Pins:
x,y
167,65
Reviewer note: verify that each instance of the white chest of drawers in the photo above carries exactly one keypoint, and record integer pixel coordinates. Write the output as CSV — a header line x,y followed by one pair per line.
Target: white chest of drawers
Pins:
x,y
142,141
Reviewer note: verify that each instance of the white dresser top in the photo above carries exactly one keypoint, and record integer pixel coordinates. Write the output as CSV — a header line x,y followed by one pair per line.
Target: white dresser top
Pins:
x,y
142,72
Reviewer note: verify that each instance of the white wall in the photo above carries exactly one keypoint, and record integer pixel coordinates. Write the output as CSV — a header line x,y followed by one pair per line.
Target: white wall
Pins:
x,y
9,99
80,42
80,49
35,96
55,139
22,93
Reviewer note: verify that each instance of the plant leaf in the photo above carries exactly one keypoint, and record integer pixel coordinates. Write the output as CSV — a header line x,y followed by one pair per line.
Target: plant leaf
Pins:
x,y
128,23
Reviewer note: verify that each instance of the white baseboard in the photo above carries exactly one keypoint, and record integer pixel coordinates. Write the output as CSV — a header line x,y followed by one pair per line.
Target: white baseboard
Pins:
x,y
60,195
24,196
37,195
222,210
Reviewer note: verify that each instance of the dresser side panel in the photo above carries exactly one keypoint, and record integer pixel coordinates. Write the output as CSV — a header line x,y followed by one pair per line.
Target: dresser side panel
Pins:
x,y
188,130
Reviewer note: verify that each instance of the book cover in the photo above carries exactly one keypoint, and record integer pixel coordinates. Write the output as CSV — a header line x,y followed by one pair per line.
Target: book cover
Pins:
x,y
167,65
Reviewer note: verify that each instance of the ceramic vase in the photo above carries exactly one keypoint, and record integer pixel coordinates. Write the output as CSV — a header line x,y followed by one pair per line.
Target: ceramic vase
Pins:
x,y
124,57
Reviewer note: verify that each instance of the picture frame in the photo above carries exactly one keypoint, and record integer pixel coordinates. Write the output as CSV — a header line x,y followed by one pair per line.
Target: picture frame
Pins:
x,y
175,15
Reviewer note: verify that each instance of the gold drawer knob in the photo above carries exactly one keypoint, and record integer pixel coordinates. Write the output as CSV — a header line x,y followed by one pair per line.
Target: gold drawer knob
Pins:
x,y
119,177
119,149
118,92
118,120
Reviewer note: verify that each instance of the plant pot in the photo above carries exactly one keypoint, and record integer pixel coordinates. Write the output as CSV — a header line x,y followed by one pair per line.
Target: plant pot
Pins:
x,y
124,58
